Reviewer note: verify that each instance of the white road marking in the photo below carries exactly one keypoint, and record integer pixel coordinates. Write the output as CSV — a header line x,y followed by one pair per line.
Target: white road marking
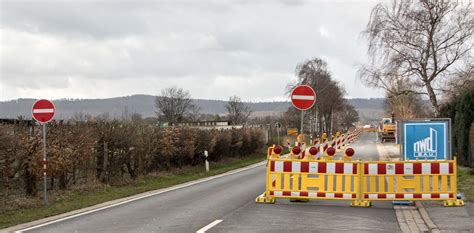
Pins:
x,y
144,196
209,226
44,110
303,97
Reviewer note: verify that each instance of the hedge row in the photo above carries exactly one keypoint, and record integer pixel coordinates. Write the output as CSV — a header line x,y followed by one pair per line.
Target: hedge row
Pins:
x,y
110,152
461,111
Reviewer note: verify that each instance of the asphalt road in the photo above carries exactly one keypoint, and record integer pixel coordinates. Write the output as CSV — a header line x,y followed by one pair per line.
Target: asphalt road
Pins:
x,y
231,199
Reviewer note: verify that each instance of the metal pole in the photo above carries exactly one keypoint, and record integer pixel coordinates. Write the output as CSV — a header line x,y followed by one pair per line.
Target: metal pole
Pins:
x,y
45,161
302,118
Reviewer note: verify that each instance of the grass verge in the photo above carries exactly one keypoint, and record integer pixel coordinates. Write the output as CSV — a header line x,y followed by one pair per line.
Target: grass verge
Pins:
x,y
466,182
74,200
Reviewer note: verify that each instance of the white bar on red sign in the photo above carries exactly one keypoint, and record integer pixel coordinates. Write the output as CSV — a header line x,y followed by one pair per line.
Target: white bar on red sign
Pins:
x,y
44,110
303,97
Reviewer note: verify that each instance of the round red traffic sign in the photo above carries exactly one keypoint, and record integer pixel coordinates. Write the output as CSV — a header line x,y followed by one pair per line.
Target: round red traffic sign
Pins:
x,y
303,97
43,110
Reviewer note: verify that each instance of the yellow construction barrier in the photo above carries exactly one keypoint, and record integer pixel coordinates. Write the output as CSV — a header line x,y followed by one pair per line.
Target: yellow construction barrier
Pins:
x,y
410,180
311,179
361,182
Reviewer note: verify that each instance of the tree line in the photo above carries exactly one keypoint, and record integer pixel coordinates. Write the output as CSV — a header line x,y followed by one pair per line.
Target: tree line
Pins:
x,y
175,105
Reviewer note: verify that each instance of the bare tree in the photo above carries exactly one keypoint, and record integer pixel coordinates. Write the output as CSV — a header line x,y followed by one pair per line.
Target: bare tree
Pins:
x,y
238,112
315,73
194,113
404,104
463,80
173,104
422,41
346,117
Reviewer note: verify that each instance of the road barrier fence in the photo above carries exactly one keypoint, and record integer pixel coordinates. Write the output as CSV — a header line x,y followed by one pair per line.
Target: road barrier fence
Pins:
x,y
314,177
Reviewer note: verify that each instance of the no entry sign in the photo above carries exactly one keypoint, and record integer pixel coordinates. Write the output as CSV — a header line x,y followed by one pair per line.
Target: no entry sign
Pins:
x,y
303,97
43,110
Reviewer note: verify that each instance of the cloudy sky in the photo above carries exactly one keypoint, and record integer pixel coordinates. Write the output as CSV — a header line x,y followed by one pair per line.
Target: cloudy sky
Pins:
x,y
214,49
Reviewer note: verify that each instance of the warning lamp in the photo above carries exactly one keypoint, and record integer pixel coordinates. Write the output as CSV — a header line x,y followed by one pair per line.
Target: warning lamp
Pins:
x,y
277,150
350,152
313,150
331,151
296,150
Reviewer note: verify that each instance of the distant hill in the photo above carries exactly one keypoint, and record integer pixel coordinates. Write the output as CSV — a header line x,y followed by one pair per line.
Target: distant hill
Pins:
x,y
144,105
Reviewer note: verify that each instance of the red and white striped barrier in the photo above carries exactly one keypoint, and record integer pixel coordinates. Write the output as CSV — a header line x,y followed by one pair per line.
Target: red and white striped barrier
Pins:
x,y
409,196
431,168
313,167
313,194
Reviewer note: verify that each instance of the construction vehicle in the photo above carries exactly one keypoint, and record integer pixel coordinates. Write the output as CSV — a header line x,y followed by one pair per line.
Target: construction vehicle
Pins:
x,y
387,129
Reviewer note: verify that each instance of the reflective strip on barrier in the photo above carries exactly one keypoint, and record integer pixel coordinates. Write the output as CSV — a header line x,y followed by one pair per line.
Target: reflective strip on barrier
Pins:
x,y
407,168
409,180
398,196
313,167
313,194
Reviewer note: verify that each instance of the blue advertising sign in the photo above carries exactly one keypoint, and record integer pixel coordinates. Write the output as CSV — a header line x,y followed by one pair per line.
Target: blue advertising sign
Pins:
x,y
426,139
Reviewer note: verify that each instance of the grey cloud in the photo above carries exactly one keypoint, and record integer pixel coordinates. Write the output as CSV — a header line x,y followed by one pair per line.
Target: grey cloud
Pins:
x,y
176,41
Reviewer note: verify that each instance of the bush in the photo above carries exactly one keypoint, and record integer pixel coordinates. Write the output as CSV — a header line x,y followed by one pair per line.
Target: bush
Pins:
x,y
461,111
111,152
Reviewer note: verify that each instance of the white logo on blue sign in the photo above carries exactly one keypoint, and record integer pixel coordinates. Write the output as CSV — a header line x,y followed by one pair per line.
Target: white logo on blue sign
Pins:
x,y
427,146
423,140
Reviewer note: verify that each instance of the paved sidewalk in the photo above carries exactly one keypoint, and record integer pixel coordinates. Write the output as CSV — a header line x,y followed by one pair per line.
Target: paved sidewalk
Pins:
x,y
440,218
451,219
409,219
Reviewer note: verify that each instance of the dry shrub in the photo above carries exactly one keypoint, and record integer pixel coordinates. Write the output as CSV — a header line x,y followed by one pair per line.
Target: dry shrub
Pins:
x,y
91,154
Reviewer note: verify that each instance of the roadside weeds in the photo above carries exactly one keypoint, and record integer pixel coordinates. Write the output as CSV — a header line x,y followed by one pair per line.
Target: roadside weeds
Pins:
x,y
466,182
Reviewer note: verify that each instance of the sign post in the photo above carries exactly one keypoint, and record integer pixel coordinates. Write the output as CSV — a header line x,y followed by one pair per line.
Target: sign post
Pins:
x,y
43,112
303,98
426,139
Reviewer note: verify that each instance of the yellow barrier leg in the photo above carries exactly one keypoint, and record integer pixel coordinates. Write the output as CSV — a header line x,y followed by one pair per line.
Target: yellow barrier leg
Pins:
x,y
264,199
361,203
359,184
453,203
